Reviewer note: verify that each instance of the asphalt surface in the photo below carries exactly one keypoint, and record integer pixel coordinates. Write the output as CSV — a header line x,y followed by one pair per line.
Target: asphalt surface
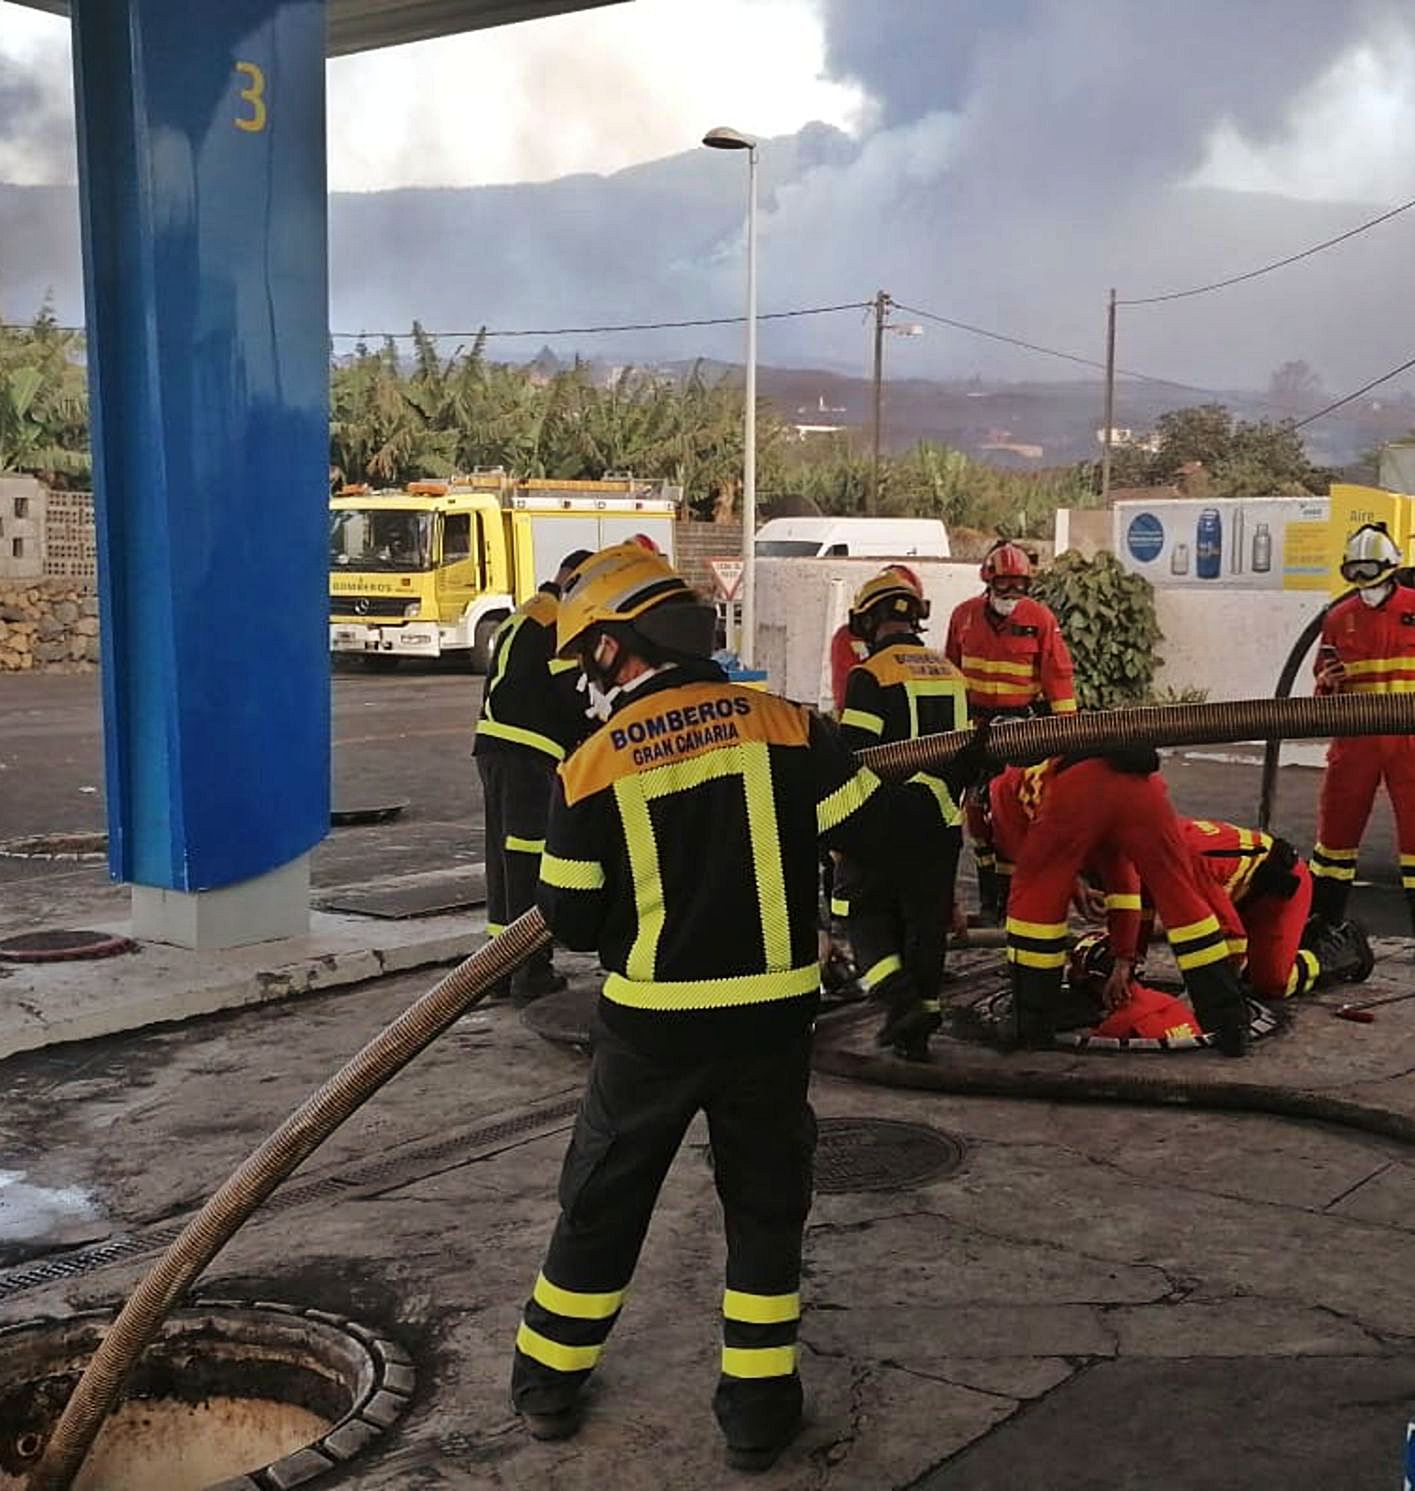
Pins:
x,y
407,736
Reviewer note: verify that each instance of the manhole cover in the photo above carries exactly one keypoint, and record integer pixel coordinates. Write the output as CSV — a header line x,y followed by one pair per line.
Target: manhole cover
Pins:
x,y
881,1154
60,946
424,896
564,1019
57,846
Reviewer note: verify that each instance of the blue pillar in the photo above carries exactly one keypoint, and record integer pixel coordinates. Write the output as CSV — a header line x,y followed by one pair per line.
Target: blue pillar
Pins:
x,y
202,173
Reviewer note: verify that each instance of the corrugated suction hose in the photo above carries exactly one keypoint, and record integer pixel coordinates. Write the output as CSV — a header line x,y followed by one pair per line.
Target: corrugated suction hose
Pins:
x,y
1016,741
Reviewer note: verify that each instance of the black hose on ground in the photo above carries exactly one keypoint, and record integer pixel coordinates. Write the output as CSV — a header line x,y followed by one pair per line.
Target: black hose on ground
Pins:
x,y
101,1385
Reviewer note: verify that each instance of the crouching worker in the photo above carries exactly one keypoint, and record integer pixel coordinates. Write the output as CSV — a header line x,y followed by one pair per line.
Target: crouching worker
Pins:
x,y
1137,1013
682,846
1261,891
1120,800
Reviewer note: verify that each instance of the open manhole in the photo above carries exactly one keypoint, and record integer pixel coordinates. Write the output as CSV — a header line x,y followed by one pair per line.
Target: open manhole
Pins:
x,y
241,1396
355,815
56,846
991,1017
881,1154
62,945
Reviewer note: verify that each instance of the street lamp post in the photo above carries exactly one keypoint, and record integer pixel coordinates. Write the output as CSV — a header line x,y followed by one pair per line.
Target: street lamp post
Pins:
x,y
731,139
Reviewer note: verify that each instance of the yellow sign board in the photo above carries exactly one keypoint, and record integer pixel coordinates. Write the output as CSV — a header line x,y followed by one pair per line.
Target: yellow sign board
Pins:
x,y
1351,506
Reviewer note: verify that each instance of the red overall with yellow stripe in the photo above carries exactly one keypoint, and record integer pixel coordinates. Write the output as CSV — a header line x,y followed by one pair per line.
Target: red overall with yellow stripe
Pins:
x,y
1262,929
1012,663
1375,646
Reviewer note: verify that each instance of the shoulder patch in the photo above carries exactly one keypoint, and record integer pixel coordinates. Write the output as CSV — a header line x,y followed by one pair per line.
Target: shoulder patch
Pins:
x,y
676,725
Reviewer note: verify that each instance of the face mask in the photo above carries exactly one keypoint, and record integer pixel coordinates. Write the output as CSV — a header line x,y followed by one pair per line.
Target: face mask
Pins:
x,y
1373,595
1004,605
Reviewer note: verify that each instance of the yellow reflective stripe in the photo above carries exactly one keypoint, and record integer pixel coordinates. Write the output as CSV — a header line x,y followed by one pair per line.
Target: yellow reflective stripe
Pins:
x,y
1063,706
1205,928
1237,946
501,650
495,929
559,665
948,809
1378,665
767,864
683,776
571,874
1407,861
761,1309
1030,959
1389,686
844,801
1046,930
572,1303
937,688
1205,955
517,736
711,993
1332,872
996,665
758,1361
862,719
1125,902
1306,969
552,1354
524,846
889,964
1342,854
839,906
983,686
1003,867
645,873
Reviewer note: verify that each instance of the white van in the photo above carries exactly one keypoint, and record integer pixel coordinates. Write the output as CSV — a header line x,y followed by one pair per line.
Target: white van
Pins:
x,y
852,538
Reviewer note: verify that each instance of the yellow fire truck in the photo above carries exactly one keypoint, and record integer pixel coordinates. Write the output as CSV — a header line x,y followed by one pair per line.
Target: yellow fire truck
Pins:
x,y
438,566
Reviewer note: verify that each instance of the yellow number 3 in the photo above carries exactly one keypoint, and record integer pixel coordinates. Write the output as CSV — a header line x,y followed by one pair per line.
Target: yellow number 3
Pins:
x,y
254,96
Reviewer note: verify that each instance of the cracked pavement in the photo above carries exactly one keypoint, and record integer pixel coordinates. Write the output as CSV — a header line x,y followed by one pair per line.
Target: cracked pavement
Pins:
x,y
1099,1296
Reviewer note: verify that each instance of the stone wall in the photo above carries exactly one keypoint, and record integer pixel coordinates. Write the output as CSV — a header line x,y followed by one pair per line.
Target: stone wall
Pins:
x,y
47,624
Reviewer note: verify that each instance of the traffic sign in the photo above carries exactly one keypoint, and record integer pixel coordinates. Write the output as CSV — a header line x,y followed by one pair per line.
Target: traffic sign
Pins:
x,y
727,575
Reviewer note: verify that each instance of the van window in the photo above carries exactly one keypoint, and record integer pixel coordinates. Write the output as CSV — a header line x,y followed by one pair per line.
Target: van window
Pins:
x,y
837,551
787,548
456,537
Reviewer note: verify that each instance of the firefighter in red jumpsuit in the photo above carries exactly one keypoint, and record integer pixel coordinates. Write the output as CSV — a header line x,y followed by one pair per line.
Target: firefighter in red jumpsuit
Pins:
x,y
1261,892
1367,647
1117,800
1015,659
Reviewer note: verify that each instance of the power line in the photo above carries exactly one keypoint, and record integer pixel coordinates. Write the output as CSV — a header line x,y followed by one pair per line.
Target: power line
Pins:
x,y
1347,398
555,331
1088,362
1252,274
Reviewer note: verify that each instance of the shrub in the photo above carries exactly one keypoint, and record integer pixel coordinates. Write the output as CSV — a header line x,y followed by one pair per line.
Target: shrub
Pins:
x,y
1108,617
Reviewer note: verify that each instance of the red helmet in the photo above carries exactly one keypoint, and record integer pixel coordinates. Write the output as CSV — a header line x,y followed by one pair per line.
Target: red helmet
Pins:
x,y
907,574
644,542
1006,560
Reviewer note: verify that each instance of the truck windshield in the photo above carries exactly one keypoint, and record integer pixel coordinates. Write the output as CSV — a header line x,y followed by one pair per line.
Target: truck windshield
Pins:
x,y
787,548
364,539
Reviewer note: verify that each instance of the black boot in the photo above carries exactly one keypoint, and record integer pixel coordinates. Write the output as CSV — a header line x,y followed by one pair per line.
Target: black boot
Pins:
x,y
535,980
1219,1002
909,1021
1342,952
1034,999
1329,897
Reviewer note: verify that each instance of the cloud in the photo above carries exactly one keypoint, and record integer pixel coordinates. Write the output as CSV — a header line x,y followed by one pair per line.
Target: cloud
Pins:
x,y
36,98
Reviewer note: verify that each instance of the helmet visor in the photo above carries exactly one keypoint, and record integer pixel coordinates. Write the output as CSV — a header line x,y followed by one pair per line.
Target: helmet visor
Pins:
x,y
1365,571
1010,584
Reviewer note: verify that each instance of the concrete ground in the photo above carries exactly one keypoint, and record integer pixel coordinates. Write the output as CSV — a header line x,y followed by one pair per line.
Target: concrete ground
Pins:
x,y
1100,1297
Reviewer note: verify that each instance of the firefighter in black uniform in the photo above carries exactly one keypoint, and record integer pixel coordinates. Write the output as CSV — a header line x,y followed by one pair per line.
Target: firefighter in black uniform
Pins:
x,y
529,723
682,846
899,927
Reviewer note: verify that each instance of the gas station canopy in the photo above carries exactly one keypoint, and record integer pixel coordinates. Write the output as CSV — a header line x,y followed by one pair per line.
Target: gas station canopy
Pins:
x,y
359,25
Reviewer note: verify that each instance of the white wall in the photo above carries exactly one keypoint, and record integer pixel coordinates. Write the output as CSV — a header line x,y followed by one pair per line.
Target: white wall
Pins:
x,y
1231,643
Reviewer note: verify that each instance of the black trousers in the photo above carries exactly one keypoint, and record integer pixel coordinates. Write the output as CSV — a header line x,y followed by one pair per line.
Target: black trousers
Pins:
x,y
899,928
631,1123
516,788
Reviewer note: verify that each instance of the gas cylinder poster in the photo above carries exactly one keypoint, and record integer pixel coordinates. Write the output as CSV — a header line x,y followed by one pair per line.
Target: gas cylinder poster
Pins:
x,y
1261,543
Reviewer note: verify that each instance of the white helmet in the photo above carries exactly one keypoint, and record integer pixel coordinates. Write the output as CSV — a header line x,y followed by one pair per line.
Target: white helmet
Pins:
x,y
1371,556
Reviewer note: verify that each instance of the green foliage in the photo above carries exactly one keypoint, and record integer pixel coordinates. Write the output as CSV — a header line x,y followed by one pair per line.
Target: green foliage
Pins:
x,y
43,402
1108,617
1240,459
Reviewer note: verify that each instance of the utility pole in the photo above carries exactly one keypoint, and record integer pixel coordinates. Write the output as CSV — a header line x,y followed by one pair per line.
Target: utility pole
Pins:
x,y
883,301
1109,399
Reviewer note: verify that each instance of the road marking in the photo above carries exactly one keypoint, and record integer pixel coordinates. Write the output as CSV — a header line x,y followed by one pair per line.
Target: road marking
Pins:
x,y
401,735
